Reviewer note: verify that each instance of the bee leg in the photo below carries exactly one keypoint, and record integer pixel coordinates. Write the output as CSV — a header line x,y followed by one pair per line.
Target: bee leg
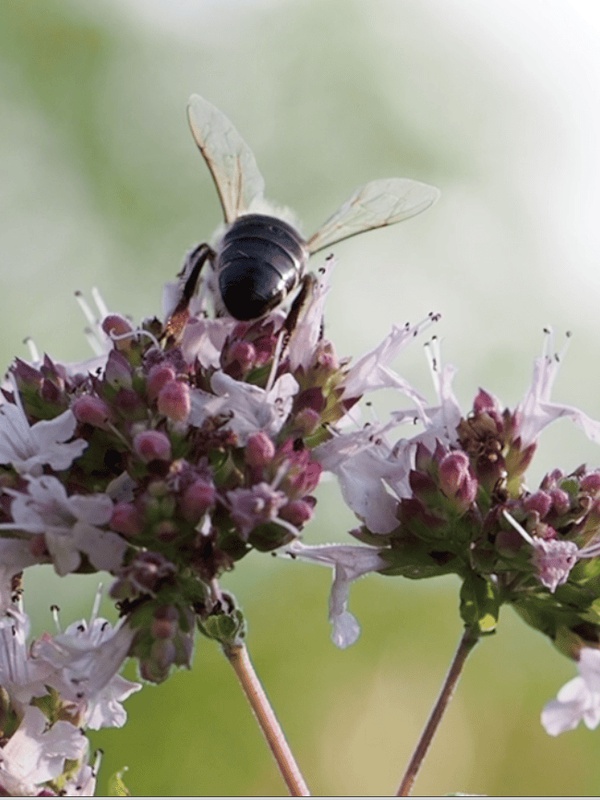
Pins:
x,y
307,284
190,275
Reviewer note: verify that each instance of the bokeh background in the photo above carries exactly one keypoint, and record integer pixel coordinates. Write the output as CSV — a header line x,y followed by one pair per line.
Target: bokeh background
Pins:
x,y
497,104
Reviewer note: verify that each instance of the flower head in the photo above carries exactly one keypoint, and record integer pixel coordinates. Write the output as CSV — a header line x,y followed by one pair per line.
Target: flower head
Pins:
x,y
444,499
191,443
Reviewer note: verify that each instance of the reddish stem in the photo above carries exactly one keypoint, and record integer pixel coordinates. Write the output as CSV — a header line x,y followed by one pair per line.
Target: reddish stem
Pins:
x,y
467,642
239,659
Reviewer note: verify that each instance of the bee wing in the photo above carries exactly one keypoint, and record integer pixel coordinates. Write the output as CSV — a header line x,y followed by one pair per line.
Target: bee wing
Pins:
x,y
374,205
229,159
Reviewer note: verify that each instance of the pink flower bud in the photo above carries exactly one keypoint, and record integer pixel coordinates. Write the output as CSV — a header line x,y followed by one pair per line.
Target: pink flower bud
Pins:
x,y
539,502
591,483
197,499
484,403
174,401
560,500
242,354
92,411
298,512
157,378
117,328
260,450
307,421
454,469
152,446
457,480
163,629
126,519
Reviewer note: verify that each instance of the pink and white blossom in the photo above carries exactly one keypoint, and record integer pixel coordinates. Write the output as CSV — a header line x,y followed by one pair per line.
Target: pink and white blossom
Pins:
x,y
578,700
85,662
365,467
21,676
372,371
554,558
69,524
36,753
27,448
255,506
536,411
249,408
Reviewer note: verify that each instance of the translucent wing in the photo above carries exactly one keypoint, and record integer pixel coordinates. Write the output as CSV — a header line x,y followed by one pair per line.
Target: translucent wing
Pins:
x,y
374,205
230,160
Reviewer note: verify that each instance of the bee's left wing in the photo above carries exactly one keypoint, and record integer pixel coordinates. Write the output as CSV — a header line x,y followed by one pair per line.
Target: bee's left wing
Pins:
x,y
374,205
229,158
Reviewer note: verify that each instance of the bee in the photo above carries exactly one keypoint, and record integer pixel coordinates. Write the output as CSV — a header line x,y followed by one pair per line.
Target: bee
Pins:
x,y
259,259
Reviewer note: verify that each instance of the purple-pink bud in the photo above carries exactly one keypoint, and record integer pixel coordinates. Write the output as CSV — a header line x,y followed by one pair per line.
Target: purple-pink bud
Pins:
x,y
456,478
163,629
157,378
560,500
307,420
163,654
590,483
242,354
174,401
117,328
539,502
197,499
454,469
260,450
126,519
298,512
92,411
152,446
484,403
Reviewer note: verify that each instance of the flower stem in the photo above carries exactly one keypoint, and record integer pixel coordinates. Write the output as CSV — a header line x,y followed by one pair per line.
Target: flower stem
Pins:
x,y
468,641
238,657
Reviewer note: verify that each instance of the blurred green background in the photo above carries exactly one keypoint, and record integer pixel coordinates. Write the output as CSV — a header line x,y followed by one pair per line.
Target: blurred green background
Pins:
x,y
495,103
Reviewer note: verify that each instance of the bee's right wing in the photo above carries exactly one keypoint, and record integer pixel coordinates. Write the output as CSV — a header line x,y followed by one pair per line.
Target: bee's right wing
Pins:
x,y
374,205
230,160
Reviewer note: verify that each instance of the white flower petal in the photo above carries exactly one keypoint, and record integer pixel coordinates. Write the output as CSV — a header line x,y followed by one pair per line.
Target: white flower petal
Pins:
x,y
372,371
28,448
349,562
35,753
577,700
251,408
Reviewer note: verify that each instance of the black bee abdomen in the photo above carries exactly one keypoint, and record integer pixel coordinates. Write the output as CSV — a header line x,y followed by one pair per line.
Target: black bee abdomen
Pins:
x,y
260,260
